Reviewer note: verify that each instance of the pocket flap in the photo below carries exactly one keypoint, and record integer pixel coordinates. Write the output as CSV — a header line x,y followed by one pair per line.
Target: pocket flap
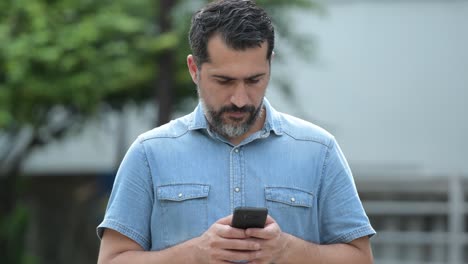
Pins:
x,y
182,192
290,196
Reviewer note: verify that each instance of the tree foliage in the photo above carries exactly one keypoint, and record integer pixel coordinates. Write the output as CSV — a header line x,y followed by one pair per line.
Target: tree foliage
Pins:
x,y
61,60
77,55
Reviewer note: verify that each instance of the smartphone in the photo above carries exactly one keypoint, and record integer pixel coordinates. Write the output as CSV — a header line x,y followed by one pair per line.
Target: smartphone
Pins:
x,y
249,217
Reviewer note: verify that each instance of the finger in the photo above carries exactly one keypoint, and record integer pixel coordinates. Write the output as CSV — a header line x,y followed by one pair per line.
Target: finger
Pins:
x,y
240,256
269,220
225,230
229,232
237,244
270,227
225,220
268,232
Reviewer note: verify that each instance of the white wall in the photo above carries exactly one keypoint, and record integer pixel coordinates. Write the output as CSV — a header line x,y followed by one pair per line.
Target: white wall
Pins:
x,y
390,81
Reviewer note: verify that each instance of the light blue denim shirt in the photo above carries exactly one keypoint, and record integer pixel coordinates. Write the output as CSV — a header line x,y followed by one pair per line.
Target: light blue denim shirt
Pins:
x,y
178,179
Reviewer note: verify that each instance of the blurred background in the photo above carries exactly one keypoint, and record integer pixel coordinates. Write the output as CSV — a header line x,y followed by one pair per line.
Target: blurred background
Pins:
x,y
80,79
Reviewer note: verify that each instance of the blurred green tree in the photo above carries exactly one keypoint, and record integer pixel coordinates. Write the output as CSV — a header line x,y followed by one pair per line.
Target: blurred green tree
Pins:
x,y
62,61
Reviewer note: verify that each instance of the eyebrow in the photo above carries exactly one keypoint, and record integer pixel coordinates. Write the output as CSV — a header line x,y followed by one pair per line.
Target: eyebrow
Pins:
x,y
231,78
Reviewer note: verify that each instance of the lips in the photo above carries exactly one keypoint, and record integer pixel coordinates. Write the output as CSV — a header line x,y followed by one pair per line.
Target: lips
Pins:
x,y
236,115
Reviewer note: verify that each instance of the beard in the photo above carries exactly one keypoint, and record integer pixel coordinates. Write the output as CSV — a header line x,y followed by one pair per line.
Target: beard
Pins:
x,y
231,127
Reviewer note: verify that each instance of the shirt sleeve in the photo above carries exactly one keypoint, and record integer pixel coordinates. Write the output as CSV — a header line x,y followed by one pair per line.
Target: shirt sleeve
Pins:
x,y
341,214
130,205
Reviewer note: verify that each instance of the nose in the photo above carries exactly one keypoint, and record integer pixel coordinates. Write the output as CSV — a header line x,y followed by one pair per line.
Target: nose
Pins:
x,y
240,98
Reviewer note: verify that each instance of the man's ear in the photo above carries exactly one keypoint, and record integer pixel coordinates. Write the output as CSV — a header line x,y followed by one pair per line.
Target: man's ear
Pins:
x,y
192,67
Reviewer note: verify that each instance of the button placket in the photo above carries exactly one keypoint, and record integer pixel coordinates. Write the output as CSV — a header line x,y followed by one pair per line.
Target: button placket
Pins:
x,y
236,178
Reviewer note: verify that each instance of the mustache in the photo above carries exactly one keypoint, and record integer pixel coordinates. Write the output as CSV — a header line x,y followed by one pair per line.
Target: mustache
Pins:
x,y
233,108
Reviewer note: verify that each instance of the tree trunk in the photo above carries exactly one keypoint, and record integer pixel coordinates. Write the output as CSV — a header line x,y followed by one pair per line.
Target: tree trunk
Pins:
x,y
12,230
165,83
19,147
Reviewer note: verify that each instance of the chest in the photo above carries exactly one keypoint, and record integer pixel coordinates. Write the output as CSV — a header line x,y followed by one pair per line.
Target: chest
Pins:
x,y
195,187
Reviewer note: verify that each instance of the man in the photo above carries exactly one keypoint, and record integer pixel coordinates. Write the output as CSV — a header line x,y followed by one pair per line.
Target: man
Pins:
x,y
178,184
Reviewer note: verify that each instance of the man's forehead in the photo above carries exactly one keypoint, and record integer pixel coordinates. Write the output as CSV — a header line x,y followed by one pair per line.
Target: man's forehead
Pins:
x,y
235,71
217,44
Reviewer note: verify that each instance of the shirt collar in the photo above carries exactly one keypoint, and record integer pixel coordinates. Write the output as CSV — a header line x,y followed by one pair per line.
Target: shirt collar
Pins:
x,y
272,121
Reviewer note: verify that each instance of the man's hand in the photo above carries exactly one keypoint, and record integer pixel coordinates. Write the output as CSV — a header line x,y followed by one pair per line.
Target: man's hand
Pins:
x,y
222,243
271,239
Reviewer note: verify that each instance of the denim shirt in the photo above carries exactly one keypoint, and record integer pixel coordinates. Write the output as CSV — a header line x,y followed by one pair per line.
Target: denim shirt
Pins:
x,y
178,179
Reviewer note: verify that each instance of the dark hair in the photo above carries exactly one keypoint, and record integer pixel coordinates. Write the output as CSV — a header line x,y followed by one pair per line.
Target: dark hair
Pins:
x,y
241,24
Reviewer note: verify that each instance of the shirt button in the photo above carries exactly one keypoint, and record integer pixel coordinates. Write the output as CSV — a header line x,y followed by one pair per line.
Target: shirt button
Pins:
x,y
236,150
237,189
180,195
293,199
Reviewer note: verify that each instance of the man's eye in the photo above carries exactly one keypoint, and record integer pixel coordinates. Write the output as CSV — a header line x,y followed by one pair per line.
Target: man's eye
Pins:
x,y
224,82
253,81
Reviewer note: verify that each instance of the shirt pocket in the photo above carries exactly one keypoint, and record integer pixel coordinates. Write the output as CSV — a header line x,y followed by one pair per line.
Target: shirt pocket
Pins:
x,y
182,192
292,209
184,212
289,196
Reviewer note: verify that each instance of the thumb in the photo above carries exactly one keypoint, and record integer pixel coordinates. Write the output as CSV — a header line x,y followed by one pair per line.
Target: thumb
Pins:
x,y
225,220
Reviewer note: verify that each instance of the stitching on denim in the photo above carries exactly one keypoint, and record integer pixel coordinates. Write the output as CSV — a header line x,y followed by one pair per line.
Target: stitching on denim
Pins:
x,y
348,237
189,183
297,204
305,138
205,190
145,243
145,155
160,136
269,197
289,188
324,167
186,197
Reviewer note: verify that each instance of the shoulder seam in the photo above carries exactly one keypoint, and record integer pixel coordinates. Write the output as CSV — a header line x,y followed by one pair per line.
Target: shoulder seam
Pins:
x,y
313,139
145,156
145,138
324,167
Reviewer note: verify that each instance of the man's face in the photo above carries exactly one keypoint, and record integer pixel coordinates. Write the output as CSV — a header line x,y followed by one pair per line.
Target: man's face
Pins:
x,y
231,86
